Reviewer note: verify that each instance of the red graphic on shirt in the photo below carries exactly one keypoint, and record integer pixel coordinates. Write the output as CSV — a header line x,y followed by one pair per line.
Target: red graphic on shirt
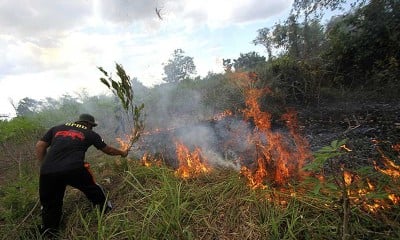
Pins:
x,y
71,134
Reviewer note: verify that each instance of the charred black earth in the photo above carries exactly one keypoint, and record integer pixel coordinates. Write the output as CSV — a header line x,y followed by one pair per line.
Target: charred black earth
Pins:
x,y
366,126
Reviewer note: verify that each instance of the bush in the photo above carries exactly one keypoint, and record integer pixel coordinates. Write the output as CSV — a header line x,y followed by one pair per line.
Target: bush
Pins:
x,y
17,198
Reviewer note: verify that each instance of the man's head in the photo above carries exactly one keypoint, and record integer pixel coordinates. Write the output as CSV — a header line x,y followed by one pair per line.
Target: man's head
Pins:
x,y
87,118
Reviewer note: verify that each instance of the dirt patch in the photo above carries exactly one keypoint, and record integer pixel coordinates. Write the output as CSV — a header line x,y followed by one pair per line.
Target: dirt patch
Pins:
x,y
365,125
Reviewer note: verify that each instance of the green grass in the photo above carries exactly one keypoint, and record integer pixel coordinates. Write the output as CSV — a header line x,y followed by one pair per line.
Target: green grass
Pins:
x,y
152,203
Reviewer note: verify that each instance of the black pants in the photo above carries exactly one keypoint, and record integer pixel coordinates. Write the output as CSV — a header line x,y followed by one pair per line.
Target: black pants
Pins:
x,y
52,188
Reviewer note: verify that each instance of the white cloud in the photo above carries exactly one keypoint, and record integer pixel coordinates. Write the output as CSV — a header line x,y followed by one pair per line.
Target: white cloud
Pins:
x,y
34,19
220,13
57,45
127,10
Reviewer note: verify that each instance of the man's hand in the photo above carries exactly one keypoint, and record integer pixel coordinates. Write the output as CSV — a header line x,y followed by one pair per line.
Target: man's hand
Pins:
x,y
40,150
115,151
125,153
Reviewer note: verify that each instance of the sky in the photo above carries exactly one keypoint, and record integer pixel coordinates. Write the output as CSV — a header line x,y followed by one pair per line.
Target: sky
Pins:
x,y
51,48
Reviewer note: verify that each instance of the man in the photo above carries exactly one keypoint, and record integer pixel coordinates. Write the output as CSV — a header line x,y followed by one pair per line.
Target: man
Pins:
x,y
64,165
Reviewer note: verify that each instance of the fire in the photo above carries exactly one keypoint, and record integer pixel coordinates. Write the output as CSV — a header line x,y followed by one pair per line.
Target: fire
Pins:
x,y
395,199
347,178
391,169
145,161
222,115
190,163
370,185
346,148
358,192
148,160
256,179
278,160
302,151
123,143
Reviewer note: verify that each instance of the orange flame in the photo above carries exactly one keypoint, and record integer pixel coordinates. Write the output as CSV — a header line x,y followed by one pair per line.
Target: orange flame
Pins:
x,y
148,160
346,148
145,161
277,161
395,199
222,115
359,193
347,176
123,142
256,179
391,169
190,163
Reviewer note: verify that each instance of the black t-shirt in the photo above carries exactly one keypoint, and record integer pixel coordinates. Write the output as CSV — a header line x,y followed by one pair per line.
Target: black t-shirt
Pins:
x,y
68,145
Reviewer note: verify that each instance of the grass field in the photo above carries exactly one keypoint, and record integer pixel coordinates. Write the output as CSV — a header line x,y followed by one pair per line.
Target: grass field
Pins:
x,y
152,202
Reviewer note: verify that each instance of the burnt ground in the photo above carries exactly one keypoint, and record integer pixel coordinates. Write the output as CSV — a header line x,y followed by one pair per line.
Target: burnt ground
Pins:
x,y
366,126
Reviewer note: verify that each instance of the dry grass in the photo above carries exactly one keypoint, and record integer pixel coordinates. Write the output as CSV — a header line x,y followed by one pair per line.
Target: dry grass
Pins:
x,y
152,203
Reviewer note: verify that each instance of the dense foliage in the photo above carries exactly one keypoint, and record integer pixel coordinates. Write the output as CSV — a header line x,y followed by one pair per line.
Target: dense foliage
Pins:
x,y
179,67
357,50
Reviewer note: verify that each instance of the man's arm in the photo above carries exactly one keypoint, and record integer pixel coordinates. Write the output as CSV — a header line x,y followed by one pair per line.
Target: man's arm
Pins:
x,y
114,151
41,148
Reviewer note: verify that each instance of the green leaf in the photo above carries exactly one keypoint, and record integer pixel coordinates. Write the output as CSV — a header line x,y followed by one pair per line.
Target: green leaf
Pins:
x,y
331,186
105,82
334,144
103,71
115,85
317,188
377,195
326,149
124,91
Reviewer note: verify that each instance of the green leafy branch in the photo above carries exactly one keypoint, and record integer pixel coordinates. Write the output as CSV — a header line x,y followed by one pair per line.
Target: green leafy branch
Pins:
x,y
324,154
124,91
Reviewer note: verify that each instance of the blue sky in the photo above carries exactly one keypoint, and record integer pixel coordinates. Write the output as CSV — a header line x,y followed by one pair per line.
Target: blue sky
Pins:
x,y
50,48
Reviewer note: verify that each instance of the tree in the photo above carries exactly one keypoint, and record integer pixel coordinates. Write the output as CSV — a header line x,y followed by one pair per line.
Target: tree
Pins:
x,y
248,61
298,40
308,7
296,73
227,64
179,67
27,106
313,39
363,46
264,38
219,92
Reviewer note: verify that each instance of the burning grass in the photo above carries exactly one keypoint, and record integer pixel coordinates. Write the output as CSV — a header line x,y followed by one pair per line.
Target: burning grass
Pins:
x,y
152,202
